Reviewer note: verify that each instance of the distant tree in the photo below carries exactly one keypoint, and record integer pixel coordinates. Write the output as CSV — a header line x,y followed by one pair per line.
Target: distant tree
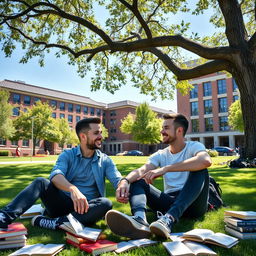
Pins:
x,y
6,124
104,131
44,126
65,131
144,126
235,118
73,139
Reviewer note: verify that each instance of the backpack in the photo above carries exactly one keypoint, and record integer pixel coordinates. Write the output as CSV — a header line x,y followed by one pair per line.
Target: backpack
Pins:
x,y
214,201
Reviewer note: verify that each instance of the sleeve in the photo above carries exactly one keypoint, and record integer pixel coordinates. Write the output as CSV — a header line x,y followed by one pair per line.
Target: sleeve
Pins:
x,y
112,174
61,165
197,147
155,159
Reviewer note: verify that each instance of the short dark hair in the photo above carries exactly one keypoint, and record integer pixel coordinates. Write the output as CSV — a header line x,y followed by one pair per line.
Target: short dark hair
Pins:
x,y
179,120
84,124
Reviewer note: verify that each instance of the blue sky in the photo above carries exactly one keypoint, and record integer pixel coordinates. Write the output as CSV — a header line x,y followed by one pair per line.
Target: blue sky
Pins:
x,y
58,75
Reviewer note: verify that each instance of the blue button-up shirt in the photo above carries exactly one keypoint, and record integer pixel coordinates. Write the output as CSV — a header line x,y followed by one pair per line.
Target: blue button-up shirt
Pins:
x,y
70,163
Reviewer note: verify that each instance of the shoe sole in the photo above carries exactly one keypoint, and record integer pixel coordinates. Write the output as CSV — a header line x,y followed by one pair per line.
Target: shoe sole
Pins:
x,y
159,230
123,225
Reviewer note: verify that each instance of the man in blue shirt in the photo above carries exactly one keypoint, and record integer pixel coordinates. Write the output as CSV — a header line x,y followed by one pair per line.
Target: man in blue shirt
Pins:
x,y
76,184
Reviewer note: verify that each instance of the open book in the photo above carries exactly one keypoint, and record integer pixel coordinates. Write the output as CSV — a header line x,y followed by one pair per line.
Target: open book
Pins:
x,y
187,248
76,228
127,245
34,210
208,236
246,215
39,250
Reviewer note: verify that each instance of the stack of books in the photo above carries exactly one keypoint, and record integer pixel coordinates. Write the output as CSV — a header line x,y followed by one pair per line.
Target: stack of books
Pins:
x,y
13,237
241,224
90,240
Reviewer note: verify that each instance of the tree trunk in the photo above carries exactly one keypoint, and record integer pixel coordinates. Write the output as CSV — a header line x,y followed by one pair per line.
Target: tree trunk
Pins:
x,y
246,81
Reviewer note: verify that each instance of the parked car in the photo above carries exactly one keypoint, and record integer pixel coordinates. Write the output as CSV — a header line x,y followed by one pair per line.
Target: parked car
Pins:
x,y
122,153
225,151
134,153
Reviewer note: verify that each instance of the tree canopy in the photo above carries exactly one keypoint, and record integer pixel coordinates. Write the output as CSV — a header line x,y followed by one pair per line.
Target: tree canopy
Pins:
x,y
144,125
140,41
6,125
235,117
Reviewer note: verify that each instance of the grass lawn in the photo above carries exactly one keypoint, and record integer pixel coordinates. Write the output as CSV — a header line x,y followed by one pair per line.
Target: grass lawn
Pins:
x,y
238,186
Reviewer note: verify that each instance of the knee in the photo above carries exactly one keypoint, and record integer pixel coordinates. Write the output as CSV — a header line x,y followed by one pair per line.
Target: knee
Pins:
x,y
106,204
138,183
41,182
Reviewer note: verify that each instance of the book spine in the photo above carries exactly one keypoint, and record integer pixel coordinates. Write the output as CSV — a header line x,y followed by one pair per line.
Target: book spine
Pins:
x,y
243,229
246,223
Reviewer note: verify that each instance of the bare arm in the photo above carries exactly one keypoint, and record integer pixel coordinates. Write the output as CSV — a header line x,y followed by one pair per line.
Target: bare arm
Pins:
x,y
80,202
200,161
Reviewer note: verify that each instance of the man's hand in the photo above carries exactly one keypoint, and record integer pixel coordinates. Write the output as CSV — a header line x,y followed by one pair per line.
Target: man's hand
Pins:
x,y
122,192
151,175
80,202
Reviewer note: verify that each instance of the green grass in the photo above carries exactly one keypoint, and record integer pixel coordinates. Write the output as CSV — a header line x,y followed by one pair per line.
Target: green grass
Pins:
x,y
239,193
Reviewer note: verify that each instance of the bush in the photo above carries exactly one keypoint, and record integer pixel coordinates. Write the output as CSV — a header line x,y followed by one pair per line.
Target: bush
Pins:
x,y
4,152
212,152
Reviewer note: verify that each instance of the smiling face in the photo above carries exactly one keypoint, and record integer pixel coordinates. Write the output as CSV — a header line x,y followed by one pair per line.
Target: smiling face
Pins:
x,y
93,137
168,132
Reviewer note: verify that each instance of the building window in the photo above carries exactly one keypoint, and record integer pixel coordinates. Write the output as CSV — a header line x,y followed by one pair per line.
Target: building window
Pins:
x,y
223,122
70,107
235,87
62,106
208,124
207,86
92,111
112,138
78,118
195,125
16,98
222,87
194,92
16,111
78,108
113,121
70,118
208,107
85,110
113,113
53,104
54,115
119,147
25,143
36,99
37,143
2,142
112,130
27,100
14,143
98,112
62,115
235,98
194,108
223,105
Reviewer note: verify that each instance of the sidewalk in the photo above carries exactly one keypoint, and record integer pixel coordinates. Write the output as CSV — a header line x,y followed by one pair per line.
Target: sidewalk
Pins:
x,y
28,162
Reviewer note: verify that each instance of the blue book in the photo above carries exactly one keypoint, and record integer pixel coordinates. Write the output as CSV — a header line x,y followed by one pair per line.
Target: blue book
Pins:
x,y
238,222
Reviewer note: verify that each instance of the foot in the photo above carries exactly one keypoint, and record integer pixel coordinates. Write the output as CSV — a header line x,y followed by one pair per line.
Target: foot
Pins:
x,y
162,227
127,226
45,222
3,222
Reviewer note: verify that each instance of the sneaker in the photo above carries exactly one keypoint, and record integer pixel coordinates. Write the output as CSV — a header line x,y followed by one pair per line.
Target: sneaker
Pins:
x,y
45,222
162,227
127,226
3,223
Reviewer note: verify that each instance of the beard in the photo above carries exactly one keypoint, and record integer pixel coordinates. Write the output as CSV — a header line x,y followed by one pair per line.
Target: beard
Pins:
x,y
93,145
169,140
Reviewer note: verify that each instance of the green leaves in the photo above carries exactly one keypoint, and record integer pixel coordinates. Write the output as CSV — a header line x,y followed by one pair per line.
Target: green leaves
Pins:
x,y
235,117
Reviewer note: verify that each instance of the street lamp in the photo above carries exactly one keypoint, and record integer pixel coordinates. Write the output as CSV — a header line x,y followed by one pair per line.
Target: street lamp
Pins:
x,y
32,135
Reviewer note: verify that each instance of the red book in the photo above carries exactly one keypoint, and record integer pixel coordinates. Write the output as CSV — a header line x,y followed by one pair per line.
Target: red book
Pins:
x,y
14,229
100,246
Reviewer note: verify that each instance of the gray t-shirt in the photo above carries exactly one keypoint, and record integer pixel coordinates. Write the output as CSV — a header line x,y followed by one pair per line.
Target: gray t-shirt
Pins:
x,y
174,181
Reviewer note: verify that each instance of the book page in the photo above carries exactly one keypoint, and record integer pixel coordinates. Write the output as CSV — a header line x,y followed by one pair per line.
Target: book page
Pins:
x,y
199,249
222,239
27,249
76,225
142,242
124,246
177,248
36,208
49,249
241,214
200,233
90,233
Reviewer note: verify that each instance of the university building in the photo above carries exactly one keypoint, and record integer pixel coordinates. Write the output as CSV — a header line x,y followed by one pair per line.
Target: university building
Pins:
x,y
207,109
73,107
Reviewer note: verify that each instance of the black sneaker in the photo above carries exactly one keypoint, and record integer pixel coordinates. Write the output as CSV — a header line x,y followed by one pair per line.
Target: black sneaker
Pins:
x,y
3,223
161,227
45,222
127,226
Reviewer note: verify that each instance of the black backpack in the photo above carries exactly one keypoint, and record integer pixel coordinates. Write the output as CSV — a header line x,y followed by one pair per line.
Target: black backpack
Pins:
x,y
214,201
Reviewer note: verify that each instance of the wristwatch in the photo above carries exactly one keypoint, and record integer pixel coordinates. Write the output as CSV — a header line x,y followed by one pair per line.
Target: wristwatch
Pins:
x,y
125,179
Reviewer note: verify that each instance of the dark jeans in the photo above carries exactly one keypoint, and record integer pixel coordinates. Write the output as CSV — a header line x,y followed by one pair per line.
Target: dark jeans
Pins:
x,y
191,201
56,202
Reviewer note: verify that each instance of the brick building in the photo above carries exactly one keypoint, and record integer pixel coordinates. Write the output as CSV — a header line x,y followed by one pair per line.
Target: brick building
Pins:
x,y
73,107
207,109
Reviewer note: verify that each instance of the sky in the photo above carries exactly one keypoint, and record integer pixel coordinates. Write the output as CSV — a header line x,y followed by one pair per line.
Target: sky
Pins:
x,y
58,75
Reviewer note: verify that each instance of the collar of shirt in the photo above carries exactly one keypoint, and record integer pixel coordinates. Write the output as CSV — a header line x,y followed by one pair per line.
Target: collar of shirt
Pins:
x,y
96,154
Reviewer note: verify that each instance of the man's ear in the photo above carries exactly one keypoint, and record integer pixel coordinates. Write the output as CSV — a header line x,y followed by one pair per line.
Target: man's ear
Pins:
x,y
180,130
82,136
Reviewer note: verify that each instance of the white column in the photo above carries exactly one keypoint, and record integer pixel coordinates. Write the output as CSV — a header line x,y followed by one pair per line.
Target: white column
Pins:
x,y
202,140
231,141
216,140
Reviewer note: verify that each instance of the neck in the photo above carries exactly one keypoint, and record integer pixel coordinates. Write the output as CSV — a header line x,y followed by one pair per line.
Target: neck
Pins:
x,y
177,146
87,152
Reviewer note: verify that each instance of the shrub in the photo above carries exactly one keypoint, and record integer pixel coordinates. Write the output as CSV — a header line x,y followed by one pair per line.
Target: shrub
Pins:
x,y
4,152
212,152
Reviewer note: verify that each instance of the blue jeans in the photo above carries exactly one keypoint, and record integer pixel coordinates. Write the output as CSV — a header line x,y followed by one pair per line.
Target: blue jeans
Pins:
x,y
56,202
190,201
